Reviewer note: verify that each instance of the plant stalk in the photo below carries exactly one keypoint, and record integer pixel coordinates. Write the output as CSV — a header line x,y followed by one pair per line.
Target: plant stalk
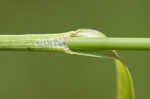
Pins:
x,y
32,42
109,43
42,42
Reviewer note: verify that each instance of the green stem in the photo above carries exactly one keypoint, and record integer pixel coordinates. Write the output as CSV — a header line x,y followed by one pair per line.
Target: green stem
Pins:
x,y
82,43
43,42
32,42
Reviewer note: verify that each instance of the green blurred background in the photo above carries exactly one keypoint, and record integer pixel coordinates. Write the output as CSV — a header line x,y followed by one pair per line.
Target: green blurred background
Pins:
x,y
51,75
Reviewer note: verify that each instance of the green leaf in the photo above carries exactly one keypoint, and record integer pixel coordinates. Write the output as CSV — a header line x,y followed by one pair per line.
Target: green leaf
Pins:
x,y
124,81
124,85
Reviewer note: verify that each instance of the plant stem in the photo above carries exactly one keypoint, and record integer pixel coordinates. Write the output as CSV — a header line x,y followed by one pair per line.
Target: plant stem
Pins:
x,y
82,43
43,42
32,42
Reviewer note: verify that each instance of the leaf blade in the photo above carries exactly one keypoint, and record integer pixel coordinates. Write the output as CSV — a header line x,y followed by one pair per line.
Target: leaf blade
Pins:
x,y
125,88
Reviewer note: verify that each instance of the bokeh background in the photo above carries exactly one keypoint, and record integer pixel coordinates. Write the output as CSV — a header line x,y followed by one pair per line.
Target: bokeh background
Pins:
x,y
52,75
